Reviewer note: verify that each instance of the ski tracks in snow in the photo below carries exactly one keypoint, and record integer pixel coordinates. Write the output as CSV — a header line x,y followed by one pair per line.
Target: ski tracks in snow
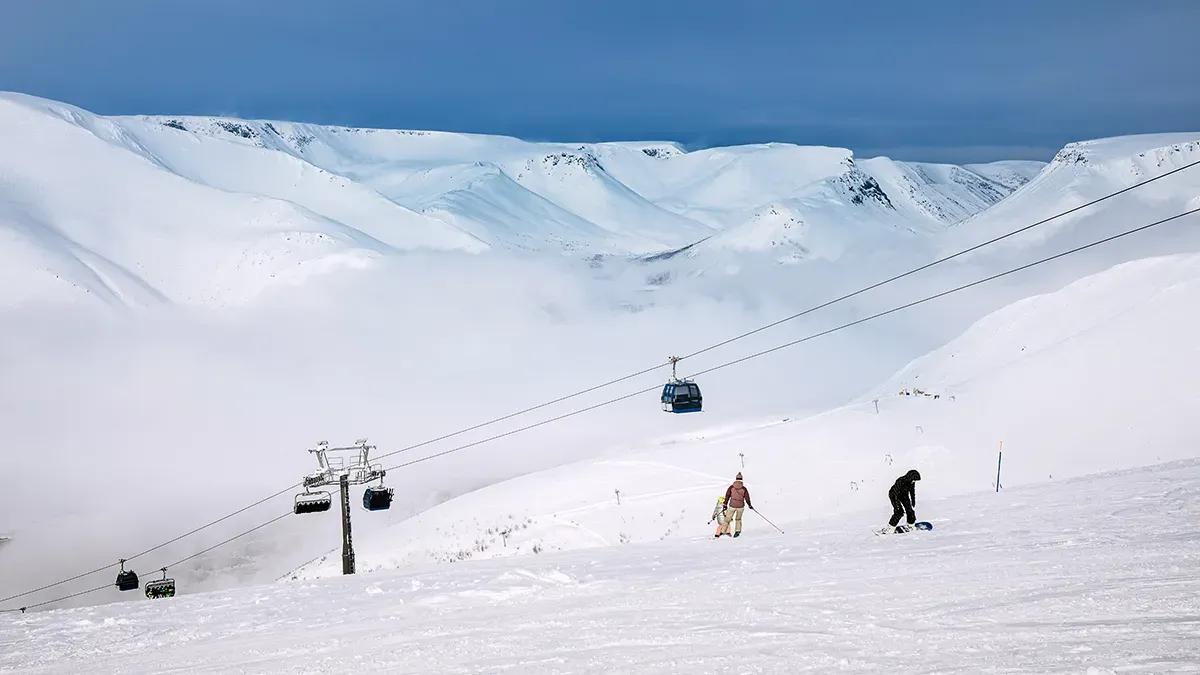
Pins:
x,y
1032,580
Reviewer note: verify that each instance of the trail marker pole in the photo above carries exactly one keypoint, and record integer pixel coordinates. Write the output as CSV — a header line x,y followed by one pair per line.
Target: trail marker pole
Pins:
x,y
743,456
618,497
999,459
876,406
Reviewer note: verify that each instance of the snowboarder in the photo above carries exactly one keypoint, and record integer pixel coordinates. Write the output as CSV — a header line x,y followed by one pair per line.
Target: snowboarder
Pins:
x,y
737,499
903,495
719,515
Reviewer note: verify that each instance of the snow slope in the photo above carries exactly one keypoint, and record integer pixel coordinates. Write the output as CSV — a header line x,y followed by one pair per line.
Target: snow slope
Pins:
x,y
483,200
1096,376
613,185
89,204
214,211
1012,173
801,202
1091,576
894,226
1086,171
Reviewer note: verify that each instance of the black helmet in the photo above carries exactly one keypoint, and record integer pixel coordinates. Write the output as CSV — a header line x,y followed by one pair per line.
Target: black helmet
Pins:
x,y
913,474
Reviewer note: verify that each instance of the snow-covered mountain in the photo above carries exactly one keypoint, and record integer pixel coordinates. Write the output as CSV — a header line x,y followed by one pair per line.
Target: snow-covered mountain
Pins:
x,y
821,230
213,211
403,285
1087,171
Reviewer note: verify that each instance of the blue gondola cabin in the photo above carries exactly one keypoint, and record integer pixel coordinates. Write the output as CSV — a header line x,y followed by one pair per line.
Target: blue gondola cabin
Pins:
x,y
681,397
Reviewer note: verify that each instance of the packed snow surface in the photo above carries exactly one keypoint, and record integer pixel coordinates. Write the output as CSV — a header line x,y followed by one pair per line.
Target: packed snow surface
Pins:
x,y
1089,576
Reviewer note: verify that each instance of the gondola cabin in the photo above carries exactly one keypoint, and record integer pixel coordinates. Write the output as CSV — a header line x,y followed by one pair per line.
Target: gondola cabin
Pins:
x,y
681,397
127,580
377,498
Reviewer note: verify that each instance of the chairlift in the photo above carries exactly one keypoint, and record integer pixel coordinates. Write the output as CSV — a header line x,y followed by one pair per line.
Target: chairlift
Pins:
x,y
312,502
127,580
681,396
377,498
161,588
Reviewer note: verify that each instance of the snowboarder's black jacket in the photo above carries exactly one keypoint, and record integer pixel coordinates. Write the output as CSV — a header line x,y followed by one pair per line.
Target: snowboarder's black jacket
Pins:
x,y
905,486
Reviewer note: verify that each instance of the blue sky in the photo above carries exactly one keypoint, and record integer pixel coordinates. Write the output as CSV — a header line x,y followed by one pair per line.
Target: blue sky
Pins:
x,y
937,80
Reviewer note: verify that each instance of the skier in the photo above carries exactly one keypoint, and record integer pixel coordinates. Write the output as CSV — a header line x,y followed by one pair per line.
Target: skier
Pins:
x,y
737,499
903,495
719,515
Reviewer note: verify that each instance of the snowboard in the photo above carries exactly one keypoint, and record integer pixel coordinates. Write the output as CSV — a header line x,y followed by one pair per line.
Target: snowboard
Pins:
x,y
919,525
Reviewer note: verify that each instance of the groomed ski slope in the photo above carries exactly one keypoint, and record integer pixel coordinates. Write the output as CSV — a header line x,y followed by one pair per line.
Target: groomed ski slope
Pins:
x,y
1092,576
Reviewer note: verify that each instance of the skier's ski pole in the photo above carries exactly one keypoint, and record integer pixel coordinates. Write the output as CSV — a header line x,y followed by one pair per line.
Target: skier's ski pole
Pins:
x,y
768,522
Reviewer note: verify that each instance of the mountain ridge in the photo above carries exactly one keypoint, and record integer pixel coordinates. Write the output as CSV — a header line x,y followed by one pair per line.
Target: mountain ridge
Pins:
x,y
215,211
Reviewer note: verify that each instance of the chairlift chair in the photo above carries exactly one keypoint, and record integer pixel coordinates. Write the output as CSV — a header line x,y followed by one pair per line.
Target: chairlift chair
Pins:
x,y
127,580
377,498
312,502
161,588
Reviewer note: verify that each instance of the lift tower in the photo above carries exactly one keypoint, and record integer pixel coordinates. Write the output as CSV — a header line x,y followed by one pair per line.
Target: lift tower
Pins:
x,y
345,466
